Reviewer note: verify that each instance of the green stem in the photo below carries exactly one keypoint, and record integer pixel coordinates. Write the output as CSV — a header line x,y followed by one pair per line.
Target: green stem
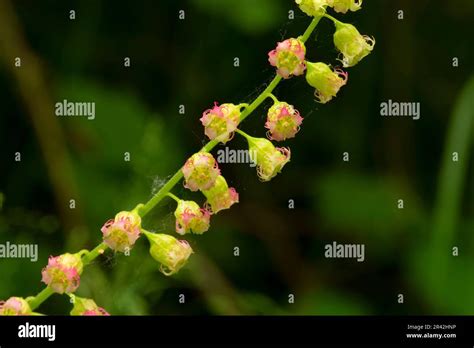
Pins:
x,y
242,133
273,98
169,194
91,255
332,18
144,209
310,29
36,301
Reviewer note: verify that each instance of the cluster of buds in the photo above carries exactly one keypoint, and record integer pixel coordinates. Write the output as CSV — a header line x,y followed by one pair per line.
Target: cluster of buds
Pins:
x,y
283,121
190,217
220,122
351,44
171,253
288,57
121,233
62,274
87,307
15,306
201,172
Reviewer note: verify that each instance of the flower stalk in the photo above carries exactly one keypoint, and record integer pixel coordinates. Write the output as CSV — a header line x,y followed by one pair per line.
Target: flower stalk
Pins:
x,y
121,233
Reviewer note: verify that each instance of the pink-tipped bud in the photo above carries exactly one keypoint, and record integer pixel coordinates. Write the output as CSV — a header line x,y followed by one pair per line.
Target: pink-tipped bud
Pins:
x,y
62,274
327,81
283,121
312,7
87,307
342,6
171,253
15,306
288,58
269,159
121,233
191,218
221,196
352,45
200,171
220,122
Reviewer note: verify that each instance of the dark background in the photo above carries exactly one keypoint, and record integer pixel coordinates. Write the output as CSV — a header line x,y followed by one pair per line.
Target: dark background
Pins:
x,y
407,251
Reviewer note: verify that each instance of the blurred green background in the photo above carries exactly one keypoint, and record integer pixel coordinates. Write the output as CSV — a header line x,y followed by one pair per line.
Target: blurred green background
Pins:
x,y
190,62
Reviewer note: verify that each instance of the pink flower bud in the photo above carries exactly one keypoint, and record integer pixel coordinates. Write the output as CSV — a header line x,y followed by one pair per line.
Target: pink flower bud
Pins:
x,y
283,121
352,45
200,171
220,122
220,196
312,7
191,218
342,6
87,307
270,160
288,58
15,306
121,233
62,274
326,80
170,252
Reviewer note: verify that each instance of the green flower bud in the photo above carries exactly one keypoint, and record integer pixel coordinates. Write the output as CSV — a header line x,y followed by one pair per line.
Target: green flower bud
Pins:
x,y
326,80
269,159
353,46
170,252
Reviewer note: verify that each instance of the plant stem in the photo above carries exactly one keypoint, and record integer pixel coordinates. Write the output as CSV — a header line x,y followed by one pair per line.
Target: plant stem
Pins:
x,y
173,196
242,133
40,298
332,18
310,28
91,255
144,209
275,99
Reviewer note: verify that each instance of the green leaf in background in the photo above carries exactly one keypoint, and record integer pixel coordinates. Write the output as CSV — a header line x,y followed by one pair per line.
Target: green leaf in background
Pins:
x,y
365,205
250,16
447,280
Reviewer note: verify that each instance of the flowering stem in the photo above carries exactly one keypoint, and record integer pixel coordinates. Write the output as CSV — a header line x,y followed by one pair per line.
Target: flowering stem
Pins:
x,y
144,209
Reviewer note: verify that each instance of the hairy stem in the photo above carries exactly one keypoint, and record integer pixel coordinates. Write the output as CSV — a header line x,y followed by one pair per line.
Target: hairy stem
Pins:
x,y
144,209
